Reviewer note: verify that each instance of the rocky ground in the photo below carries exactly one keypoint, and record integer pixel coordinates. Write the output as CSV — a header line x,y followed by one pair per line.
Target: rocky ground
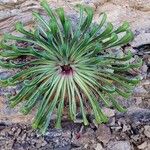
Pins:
x,y
129,131
124,131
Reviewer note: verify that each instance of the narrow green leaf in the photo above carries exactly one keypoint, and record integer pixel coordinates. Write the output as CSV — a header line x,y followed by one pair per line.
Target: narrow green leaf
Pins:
x,y
122,28
116,104
61,105
123,94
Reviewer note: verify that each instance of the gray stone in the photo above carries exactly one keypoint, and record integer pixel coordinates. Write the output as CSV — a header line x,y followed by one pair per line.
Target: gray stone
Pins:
x,y
109,112
99,147
119,145
126,128
146,84
139,91
143,145
141,39
138,100
103,134
138,115
147,131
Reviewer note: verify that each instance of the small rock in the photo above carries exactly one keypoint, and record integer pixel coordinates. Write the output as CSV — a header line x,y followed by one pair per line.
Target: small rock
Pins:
x,y
135,137
13,129
138,115
109,112
143,145
99,147
119,145
66,134
112,121
24,136
138,100
103,134
147,131
53,133
140,91
144,70
126,128
116,128
148,146
142,38
39,143
17,132
86,146
9,144
146,84
79,139
44,143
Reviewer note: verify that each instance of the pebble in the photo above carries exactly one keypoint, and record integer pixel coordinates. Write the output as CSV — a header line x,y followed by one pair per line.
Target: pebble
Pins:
x,y
13,129
109,112
146,84
143,145
138,100
126,128
119,145
135,137
53,133
116,128
141,39
17,132
147,131
112,121
38,145
138,115
144,70
44,143
148,146
24,136
103,134
99,147
139,91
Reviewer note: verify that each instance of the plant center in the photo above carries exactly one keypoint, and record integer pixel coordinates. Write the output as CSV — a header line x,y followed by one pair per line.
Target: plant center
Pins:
x,y
66,69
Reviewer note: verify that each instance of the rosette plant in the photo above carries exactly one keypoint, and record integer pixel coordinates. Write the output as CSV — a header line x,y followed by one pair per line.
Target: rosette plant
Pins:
x,y
71,67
